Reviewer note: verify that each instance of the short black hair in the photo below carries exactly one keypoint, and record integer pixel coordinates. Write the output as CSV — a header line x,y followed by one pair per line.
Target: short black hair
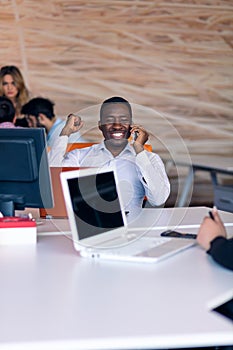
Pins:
x,y
39,105
7,110
116,99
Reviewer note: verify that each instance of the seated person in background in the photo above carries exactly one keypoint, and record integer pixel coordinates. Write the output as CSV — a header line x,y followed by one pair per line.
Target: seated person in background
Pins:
x,y
212,237
39,112
140,173
12,86
7,113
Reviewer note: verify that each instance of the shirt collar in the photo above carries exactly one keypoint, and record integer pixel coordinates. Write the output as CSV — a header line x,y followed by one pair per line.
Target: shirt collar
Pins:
x,y
128,148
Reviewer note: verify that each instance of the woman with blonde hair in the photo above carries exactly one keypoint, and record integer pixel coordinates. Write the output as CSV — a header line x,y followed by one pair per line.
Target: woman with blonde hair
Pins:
x,y
12,86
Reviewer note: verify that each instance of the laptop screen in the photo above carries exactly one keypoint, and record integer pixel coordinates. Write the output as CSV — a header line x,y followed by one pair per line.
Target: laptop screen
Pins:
x,y
95,203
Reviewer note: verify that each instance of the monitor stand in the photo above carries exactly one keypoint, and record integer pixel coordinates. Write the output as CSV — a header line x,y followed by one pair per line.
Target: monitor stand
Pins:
x,y
9,203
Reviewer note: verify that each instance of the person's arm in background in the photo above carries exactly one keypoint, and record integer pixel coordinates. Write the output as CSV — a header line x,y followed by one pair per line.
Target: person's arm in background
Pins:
x,y
58,151
213,238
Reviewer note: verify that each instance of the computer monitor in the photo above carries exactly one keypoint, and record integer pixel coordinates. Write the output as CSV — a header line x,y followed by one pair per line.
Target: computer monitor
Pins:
x,y
24,171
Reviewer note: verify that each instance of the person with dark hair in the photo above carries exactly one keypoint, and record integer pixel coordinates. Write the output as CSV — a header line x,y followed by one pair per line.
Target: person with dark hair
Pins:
x,y
39,112
213,238
7,113
140,173
12,86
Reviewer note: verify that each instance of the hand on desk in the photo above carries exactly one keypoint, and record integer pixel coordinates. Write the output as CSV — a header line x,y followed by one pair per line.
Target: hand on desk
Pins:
x,y
210,229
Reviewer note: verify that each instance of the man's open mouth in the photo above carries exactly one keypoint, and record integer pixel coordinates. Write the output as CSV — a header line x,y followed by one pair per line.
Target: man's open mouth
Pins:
x,y
118,135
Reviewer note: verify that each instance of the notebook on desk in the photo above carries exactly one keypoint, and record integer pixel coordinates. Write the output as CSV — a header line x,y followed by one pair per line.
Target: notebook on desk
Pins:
x,y
98,222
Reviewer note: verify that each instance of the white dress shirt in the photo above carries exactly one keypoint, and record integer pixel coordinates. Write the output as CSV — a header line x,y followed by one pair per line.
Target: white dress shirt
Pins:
x,y
55,131
139,175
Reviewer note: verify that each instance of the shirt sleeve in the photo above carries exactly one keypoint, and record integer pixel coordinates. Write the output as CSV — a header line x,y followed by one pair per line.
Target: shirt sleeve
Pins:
x,y
221,250
72,159
57,152
153,177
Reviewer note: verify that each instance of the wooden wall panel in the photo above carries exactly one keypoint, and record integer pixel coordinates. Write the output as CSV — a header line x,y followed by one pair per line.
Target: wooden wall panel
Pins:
x,y
174,57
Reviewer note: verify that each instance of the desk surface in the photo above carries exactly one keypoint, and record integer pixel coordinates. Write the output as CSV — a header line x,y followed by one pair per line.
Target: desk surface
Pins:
x,y
158,219
53,299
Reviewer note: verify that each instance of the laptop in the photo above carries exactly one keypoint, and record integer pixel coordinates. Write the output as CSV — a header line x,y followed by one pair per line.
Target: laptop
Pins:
x,y
99,225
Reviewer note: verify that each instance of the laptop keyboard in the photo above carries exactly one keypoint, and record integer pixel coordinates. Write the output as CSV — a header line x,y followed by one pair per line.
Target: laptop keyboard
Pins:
x,y
138,246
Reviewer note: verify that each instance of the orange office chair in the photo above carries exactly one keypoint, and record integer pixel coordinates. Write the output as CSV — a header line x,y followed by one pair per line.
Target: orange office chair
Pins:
x,y
75,145
59,210
148,147
72,146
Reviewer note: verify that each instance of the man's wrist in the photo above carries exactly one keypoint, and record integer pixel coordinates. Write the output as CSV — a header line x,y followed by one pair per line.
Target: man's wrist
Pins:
x,y
65,132
138,147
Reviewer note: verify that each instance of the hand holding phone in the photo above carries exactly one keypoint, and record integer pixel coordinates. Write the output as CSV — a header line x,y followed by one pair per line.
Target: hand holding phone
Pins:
x,y
135,135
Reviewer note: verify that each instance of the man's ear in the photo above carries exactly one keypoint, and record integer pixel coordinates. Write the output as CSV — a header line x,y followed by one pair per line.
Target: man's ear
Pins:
x,y
100,125
42,117
44,120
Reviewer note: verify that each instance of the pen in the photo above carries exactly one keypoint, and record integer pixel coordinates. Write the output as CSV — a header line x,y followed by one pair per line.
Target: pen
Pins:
x,y
211,215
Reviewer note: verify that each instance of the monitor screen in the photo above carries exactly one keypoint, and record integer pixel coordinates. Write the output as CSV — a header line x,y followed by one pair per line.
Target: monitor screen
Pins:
x,y
24,172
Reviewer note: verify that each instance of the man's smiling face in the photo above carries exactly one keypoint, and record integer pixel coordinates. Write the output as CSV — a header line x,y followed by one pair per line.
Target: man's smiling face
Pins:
x,y
115,123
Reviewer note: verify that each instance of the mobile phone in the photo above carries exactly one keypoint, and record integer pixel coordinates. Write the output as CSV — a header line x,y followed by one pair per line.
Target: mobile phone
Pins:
x,y
171,233
135,135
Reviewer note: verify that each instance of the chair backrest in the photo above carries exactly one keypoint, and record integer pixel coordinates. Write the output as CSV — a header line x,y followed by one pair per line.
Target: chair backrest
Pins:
x,y
59,210
148,147
72,146
223,197
223,193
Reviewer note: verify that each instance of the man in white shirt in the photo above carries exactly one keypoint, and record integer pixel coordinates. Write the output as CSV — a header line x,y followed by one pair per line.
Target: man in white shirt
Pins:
x,y
140,173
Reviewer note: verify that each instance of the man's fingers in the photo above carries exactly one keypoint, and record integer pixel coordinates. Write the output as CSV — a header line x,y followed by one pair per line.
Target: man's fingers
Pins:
x,y
216,215
80,124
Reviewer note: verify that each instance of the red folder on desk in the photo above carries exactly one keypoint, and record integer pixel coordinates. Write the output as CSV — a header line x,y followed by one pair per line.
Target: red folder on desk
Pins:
x,y
17,231
59,209
15,222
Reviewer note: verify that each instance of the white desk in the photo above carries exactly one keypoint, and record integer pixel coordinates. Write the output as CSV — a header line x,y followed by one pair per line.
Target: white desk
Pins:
x,y
53,299
157,219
